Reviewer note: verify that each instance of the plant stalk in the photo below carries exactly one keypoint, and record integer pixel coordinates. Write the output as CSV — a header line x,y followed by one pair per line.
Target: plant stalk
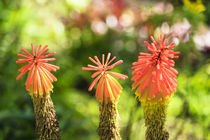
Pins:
x,y
109,127
46,121
155,116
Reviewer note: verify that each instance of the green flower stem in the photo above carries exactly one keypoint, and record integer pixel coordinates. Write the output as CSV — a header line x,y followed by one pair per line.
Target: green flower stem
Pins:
x,y
109,127
155,116
46,122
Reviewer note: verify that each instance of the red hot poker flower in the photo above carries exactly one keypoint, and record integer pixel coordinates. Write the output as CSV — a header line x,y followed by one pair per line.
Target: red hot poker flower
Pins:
x,y
39,80
108,88
154,75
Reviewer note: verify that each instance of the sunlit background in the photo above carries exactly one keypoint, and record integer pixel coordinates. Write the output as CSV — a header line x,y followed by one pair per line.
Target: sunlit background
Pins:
x,y
77,29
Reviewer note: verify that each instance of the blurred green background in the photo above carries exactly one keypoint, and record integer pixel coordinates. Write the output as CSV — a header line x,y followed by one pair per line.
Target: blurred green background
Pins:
x,y
77,29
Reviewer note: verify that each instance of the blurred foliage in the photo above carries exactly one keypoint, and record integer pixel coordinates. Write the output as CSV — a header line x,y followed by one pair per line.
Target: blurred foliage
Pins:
x,y
77,30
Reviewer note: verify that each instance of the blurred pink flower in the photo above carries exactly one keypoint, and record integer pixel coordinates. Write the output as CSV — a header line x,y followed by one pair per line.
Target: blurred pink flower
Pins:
x,y
181,30
202,41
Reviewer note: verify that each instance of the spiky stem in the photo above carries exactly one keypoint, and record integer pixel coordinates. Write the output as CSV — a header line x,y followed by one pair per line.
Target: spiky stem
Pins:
x,y
155,117
46,122
109,127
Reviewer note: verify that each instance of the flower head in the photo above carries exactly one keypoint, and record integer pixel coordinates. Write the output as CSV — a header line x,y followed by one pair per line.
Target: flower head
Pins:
x,y
39,80
154,75
108,88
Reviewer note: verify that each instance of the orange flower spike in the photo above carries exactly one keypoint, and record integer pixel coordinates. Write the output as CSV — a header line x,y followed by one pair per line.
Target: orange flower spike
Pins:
x,y
154,76
108,89
39,80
